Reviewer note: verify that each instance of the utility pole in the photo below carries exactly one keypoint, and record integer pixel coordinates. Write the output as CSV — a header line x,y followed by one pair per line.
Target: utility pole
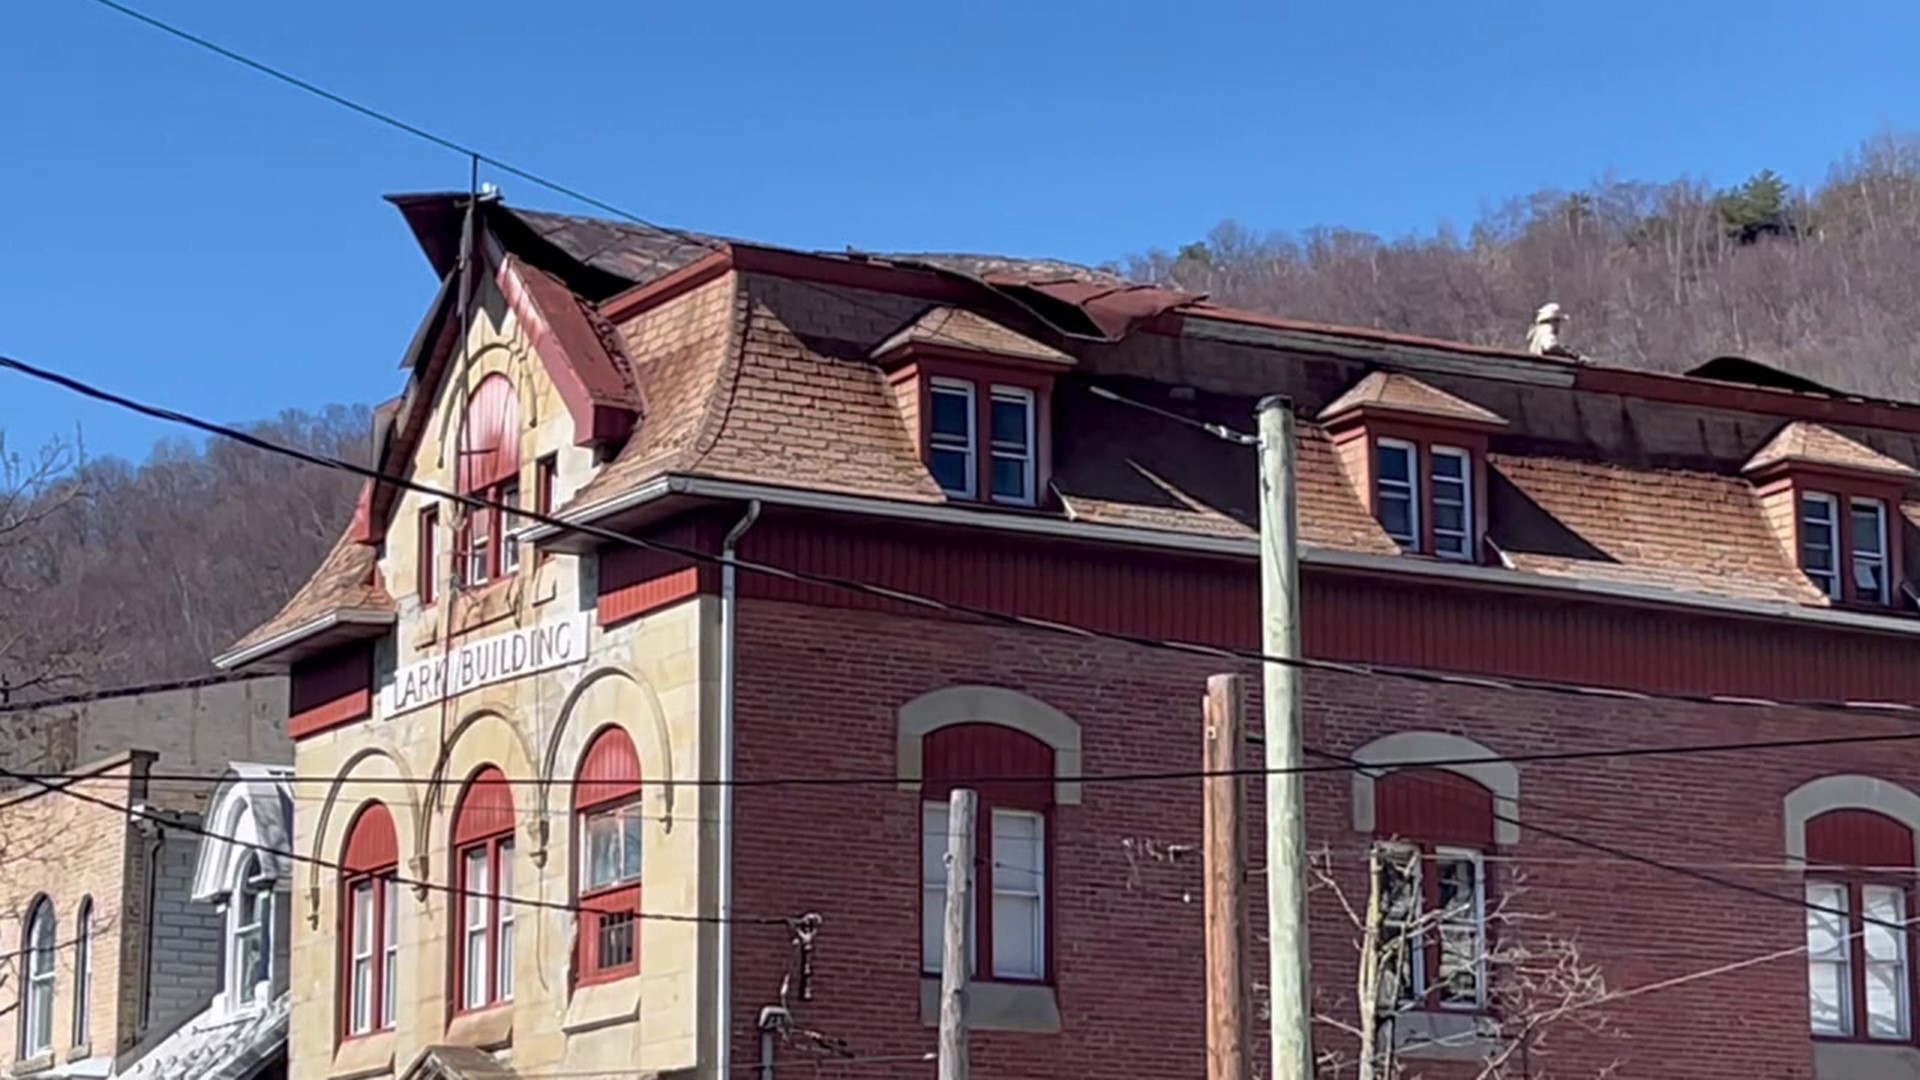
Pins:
x,y
1224,848
1289,1004
956,959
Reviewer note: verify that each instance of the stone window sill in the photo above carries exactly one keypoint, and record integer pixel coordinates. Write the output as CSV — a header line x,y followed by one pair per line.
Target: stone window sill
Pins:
x,y
363,1056
998,1006
37,1063
599,1005
488,1029
1864,1061
80,1052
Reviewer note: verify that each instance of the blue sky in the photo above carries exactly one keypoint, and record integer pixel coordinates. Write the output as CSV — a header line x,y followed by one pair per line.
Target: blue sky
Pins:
x,y
188,232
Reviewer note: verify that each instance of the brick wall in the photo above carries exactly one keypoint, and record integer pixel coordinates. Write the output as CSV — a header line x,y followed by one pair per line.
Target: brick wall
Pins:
x,y
188,938
818,695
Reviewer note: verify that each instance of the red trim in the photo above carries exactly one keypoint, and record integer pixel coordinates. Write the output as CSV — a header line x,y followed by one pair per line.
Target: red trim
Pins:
x,y
371,842
595,907
1424,434
984,375
381,881
426,559
566,340
1844,488
331,690
609,771
608,779
1726,397
623,306
497,848
490,442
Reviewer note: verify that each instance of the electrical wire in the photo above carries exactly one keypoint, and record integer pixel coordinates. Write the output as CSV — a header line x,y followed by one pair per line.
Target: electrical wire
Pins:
x,y
166,821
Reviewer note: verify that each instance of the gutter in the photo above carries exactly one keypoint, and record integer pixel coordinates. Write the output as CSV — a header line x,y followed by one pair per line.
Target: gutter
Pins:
x,y
729,668
1243,547
348,617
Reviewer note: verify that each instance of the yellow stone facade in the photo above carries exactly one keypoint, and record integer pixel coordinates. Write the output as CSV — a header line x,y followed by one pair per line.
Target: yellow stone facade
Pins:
x,y
654,676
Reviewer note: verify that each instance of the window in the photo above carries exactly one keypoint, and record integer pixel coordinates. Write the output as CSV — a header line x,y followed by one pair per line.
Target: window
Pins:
x,y
250,957
950,436
370,938
1871,584
83,974
1859,969
489,470
426,567
483,838
1432,828
1452,485
1010,919
1397,491
609,833
1012,436
546,479
1819,541
36,1019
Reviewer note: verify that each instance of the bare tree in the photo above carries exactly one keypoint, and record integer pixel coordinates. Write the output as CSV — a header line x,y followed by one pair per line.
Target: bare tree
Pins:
x,y
37,489
1475,944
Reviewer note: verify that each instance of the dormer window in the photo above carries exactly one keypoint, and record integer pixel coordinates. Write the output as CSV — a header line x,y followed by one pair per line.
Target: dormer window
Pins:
x,y
1417,455
976,394
250,916
486,549
1830,501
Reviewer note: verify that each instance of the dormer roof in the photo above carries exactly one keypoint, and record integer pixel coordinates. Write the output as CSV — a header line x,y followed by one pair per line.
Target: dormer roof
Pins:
x,y
1393,392
958,329
1808,443
249,816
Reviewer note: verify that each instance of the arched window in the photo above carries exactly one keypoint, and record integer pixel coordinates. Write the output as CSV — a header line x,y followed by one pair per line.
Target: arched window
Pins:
x,y
370,943
250,935
1010,916
1432,828
483,868
83,972
1860,976
608,831
489,469
36,1019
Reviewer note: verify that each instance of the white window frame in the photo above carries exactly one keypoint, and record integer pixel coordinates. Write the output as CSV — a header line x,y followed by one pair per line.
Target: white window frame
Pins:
x,y
1420,980
83,974
969,447
1038,894
933,891
1029,458
503,896
390,955
364,913
1829,581
1440,537
250,883
1903,977
1410,488
1479,924
1823,908
509,541
36,1032
1878,560
477,904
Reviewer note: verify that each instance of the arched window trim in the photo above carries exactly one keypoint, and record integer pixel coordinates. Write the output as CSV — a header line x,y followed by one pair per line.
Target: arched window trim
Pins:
x,y
250,925
989,705
1408,749
609,832
369,939
38,946
482,951
83,973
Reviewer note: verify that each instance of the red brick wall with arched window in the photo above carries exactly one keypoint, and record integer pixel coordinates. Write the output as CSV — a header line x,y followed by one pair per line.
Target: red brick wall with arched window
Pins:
x,y
1433,829
1860,971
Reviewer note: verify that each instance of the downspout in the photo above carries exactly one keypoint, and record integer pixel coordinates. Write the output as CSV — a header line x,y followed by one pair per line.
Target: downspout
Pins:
x,y
729,621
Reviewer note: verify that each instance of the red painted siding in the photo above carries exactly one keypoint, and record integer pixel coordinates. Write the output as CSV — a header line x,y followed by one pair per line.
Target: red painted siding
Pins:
x,y
1858,838
371,843
1435,807
635,581
486,807
609,771
490,450
331,690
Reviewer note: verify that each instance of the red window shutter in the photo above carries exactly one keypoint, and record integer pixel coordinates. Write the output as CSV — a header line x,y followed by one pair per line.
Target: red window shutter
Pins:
x,y
486,808
371,844
609,770
490,451
1433,806
993,760
1858,838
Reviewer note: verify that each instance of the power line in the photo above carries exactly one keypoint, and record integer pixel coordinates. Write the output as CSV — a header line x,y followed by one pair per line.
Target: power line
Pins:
x,y
890,779
167,822
85,697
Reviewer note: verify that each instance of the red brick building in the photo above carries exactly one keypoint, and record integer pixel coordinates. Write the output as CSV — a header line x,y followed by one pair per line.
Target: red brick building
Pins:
x,y
929,424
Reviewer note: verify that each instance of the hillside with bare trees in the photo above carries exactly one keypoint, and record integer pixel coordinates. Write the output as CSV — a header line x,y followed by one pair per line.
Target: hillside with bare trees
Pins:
x,y
113,573
1824,283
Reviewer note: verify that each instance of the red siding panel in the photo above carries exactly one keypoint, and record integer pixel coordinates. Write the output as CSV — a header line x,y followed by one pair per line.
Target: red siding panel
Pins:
x,y
991,759
1433,806
331,690
1858,838
371,843
636,581
486,807
490,449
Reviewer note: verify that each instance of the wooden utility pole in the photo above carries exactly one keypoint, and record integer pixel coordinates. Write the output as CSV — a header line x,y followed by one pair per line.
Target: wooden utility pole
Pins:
x,y
955,960
1225,850
1289,1004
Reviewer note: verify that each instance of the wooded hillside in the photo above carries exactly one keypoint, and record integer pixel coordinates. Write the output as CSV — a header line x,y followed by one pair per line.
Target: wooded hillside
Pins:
x,y
112,573
1824,283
